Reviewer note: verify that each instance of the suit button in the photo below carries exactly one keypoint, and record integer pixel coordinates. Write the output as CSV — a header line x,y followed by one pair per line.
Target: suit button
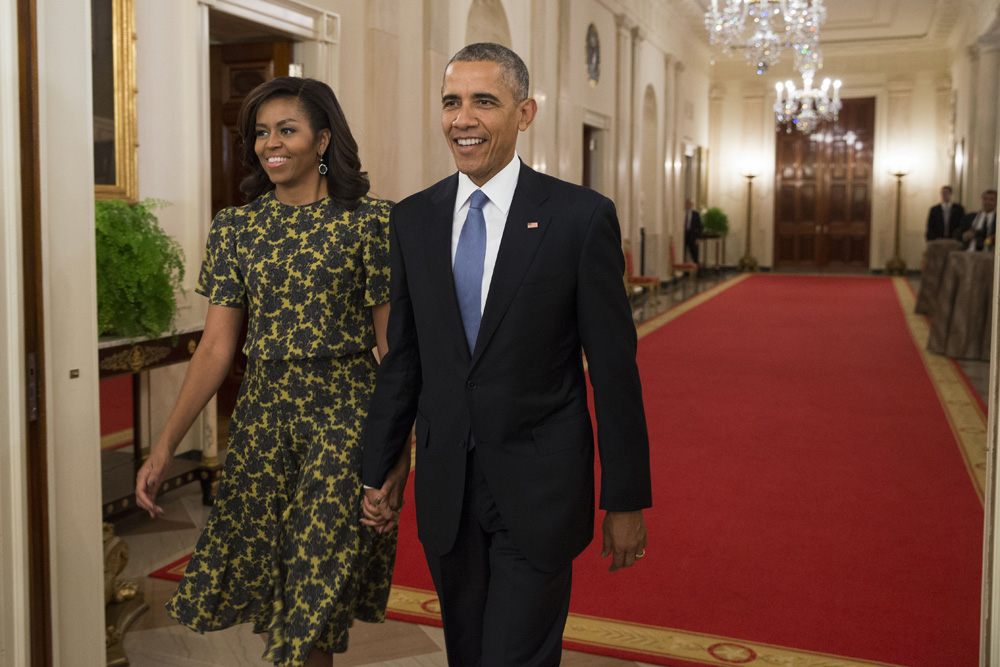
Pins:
x,y
470,385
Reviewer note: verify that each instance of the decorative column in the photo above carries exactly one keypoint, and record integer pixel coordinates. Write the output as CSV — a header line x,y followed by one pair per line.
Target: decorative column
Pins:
x,y
983,172
623,125
670,203
639,207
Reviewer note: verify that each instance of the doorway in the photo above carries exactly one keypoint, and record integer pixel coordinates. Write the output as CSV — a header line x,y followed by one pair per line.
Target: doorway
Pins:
x,y
242,56
593,158
823,193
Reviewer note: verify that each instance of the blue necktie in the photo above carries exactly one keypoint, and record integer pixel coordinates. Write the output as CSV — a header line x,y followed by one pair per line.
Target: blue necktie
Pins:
x,y
468,270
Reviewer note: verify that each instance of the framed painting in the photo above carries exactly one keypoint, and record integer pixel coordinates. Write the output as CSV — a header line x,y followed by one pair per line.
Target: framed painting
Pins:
x,y
115,139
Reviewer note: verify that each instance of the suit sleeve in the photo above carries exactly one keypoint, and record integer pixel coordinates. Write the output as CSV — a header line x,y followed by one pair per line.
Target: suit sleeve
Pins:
x,y
930,218
394,404
609,341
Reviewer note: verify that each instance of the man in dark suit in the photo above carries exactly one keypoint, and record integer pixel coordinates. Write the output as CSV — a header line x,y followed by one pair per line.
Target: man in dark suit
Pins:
x,y
981,225
500,276
692,229
944,220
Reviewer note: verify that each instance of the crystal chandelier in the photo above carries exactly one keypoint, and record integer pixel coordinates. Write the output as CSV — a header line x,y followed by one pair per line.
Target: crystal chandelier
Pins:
x,y
806,107
762,28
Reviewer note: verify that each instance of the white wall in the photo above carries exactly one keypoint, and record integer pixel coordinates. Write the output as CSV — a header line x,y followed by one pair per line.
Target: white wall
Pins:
x,y
70,316
13,514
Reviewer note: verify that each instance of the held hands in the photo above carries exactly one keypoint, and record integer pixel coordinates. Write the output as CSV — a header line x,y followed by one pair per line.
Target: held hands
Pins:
x,y
624,538
380,508
148,480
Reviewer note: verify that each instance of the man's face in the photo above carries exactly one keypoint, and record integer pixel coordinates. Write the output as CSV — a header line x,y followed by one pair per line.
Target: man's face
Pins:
x,y
480,118
989,202
945,195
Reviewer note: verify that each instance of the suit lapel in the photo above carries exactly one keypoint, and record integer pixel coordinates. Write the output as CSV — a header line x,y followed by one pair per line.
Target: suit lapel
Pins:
x,y
526,224
438,257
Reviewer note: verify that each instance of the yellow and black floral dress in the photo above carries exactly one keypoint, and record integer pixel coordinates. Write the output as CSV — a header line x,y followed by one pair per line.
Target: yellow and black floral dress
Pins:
x,y
284,548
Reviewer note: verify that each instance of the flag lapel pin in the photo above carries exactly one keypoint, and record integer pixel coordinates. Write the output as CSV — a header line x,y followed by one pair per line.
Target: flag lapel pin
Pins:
x,y
532,225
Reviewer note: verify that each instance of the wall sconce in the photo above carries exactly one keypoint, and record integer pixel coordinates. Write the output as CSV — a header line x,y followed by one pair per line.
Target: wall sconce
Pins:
x,y
749,171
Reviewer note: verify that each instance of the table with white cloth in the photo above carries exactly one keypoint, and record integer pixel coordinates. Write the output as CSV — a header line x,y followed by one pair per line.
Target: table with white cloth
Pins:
x,y
962,317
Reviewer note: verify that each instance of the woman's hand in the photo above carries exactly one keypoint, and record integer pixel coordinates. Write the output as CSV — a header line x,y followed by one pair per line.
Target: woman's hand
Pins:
x,y
149,479
381,507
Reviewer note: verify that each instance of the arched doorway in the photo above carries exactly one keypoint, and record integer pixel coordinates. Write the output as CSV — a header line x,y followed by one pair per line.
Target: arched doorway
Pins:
x,y
487,22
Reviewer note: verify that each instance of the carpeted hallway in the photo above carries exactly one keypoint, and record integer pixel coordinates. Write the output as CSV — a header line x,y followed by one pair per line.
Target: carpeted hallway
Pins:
x,y
817,483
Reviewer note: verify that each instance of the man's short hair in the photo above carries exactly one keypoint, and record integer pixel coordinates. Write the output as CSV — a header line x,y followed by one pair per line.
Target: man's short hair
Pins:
x,y
946,187
515,73
991,191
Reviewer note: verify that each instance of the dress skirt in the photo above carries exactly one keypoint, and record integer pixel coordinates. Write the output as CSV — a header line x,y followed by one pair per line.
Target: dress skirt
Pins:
x,y
284,548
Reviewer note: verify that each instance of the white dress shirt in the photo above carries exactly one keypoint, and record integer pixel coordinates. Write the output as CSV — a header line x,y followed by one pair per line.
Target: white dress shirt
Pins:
x,y
500,191
982,221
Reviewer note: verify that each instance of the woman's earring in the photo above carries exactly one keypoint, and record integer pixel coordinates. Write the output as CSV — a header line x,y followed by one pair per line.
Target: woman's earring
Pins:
x,y
322,166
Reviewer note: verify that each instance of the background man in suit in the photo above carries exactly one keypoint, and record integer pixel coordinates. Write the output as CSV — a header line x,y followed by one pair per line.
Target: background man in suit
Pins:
x,y
980,225
500,275
692,229
944,221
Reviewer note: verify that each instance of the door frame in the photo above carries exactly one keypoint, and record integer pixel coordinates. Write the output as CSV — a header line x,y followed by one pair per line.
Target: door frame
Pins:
x,y
19,636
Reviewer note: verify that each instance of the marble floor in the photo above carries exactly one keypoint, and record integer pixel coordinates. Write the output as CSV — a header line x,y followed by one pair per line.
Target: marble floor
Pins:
x,y
155,640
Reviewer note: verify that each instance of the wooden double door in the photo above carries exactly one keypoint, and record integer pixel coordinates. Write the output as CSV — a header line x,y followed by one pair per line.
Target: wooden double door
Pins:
x,y
823,193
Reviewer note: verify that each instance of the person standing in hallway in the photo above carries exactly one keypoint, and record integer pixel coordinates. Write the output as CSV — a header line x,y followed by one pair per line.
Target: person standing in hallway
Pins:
x,y
692,229
500,277
308,255
980,225
944,220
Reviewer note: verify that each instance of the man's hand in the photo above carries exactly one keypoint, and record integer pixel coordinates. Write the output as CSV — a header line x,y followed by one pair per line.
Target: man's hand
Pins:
x,y
624,538
376,511
381,507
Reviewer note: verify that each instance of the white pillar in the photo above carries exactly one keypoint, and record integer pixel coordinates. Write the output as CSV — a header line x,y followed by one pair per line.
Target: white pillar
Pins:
x,y
640,209
623,126
983,173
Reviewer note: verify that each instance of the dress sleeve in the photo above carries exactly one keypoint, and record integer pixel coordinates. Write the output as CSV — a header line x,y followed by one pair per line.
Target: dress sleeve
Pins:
x,y
221,279
376,254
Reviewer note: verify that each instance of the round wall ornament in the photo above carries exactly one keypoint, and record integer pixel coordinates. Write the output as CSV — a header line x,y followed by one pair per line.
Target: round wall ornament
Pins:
x,y
593,55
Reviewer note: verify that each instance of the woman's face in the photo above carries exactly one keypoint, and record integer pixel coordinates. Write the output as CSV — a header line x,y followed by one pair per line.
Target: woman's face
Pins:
x,y
286,145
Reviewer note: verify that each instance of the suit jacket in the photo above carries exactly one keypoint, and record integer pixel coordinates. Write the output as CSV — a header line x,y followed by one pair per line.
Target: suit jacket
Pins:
x,y
694,232
556,287
981,234
935,222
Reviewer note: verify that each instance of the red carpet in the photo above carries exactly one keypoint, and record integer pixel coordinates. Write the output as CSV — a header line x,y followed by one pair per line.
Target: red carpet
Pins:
x,y
172,572
810,499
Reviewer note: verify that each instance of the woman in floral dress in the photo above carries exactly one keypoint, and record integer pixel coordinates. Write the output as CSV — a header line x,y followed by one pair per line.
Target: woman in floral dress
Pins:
x,y
284,548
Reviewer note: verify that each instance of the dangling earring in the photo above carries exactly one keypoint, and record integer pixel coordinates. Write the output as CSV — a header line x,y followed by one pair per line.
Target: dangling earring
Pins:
x,y
322,166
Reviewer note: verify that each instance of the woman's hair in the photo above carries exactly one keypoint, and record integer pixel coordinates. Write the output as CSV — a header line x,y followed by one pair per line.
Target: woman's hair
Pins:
x,y
345,181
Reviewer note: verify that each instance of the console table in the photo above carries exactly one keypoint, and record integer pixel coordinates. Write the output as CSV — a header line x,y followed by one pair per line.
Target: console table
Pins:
x,y
131,356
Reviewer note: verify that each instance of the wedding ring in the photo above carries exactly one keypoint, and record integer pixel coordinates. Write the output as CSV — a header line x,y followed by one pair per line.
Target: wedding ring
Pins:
x,y
378,501
640,554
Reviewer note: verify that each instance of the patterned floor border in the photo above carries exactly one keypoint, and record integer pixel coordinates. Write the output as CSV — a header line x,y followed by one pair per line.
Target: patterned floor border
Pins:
x,y
964,413
647,640
652,641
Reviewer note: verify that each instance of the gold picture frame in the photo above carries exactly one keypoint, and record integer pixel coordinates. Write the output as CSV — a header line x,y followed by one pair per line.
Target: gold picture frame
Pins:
x,y
115,132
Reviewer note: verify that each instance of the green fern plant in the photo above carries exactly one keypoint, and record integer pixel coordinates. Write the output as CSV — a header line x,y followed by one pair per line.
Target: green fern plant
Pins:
x,y
714,220
139,268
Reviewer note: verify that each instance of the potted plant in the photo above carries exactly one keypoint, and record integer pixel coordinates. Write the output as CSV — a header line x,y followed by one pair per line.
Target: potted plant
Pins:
x,y
715,221
139,268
